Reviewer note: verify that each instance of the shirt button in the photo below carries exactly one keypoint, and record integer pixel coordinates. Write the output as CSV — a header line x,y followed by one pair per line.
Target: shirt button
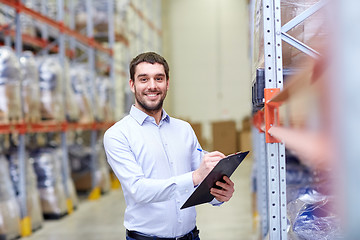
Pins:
x,y
186,190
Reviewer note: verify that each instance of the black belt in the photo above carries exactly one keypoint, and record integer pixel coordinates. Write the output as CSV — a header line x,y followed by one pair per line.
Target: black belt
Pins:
x,y
139,236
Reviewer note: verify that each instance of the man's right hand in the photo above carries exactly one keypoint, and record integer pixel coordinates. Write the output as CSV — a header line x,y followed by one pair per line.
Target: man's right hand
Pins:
x,y
208,162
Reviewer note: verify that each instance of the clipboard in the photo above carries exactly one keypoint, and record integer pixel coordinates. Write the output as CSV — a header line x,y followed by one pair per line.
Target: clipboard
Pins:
x,y
225,166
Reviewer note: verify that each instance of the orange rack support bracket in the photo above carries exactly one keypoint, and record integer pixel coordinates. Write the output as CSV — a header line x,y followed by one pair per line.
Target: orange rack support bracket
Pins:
x,y
271,113
258,120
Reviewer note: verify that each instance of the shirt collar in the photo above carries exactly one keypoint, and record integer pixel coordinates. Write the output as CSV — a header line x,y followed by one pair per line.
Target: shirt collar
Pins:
x,y
140,116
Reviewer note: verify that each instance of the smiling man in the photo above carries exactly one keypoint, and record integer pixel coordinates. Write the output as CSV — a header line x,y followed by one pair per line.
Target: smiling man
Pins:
x,y
156,160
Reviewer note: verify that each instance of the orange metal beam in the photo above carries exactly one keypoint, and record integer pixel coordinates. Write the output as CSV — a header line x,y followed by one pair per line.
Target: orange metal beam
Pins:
x,y
271,113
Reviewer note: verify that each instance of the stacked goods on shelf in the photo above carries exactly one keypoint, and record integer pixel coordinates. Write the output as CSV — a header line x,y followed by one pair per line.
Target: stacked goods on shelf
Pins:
x,y
7,15
49,182
80,159
104,169
310,204
68,181
10,80
49,9
105,113
9,208
100,16
32,193
30,87
73,113
51,88
80,83
311,32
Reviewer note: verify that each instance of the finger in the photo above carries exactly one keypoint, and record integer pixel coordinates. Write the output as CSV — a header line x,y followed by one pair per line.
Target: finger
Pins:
x,y
221,192
228,180
216,153
219,196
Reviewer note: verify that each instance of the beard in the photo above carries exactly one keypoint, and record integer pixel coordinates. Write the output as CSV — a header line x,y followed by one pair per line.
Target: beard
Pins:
x,y
147,107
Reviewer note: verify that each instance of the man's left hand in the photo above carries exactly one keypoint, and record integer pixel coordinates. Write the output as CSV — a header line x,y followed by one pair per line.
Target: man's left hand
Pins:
x,y
225,193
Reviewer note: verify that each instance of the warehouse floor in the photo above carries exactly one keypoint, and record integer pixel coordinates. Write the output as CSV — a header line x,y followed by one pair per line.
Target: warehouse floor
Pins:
x,y
103,218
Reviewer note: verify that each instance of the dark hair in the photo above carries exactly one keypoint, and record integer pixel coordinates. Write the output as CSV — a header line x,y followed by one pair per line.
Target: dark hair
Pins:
x,y
149,57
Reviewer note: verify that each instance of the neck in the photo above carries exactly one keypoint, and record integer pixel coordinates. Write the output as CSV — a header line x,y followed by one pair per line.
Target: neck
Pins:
x,y
156,114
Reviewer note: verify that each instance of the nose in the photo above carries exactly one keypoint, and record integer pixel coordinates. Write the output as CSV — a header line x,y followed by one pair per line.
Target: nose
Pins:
x,y
152,84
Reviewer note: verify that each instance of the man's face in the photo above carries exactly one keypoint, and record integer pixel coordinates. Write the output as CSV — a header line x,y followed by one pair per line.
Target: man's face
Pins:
x,y
149,86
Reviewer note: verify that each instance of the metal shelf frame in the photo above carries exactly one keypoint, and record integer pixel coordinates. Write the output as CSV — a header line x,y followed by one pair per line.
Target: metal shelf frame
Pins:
x,y
269,152
91,47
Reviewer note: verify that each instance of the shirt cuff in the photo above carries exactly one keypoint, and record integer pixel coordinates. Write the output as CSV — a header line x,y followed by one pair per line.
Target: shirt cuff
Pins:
x,y
216,202
185,183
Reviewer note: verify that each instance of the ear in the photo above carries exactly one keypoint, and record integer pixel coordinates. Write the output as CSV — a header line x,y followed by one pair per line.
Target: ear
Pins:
x,y
132,86
167,84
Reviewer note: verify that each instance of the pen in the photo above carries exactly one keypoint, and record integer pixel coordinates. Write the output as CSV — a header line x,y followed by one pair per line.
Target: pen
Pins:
x,y
201,150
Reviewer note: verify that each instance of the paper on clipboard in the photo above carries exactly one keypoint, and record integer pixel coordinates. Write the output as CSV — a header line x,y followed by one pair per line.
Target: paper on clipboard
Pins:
x,y
225,166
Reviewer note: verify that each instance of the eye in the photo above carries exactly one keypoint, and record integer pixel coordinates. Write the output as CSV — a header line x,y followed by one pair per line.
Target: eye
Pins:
x,y
159,79
143,79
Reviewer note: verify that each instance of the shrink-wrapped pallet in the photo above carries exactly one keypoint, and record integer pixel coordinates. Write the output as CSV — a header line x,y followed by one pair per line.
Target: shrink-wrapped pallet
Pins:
x,y
32,194
49,183
10,80
30,87
80,80
100,16
68,181
51,80
9,208
73,113
105,93
81,166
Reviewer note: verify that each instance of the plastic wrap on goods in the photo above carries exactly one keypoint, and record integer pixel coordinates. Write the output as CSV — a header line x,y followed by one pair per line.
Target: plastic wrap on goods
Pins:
x,y
80,159
104,169
51,88
80,79
32,193
49,181
106,92
30,87
311,216
10,80
99,12
72,110
9,208
69,181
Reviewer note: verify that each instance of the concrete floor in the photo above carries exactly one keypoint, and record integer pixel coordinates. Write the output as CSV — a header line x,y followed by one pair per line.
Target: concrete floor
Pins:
x,y
103,219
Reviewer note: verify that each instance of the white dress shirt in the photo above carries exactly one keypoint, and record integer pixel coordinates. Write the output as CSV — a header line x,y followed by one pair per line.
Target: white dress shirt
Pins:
x,y
154,164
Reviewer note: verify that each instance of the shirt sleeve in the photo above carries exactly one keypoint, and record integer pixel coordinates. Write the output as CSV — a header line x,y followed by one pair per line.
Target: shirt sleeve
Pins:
x,y
131,176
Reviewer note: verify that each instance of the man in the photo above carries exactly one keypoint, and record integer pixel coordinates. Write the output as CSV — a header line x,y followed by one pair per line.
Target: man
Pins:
x,y
155,158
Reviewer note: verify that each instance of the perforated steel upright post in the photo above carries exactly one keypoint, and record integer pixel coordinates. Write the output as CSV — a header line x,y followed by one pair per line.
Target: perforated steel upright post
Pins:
x,y
275,152
25,220
91,68
111,38
64,148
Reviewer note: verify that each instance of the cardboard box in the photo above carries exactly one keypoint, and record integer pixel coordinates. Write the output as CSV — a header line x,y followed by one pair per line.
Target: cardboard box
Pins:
x,y
224,137
197,127
245,141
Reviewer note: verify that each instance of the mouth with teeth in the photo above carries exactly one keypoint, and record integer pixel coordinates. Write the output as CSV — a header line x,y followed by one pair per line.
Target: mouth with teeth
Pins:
x,y
152,95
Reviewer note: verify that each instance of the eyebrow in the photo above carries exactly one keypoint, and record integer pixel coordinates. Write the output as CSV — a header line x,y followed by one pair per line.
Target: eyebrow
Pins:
x,y
157,75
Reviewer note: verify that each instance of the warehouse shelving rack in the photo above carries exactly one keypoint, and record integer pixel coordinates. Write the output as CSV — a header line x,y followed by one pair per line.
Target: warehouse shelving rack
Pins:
x,y
22,128
269,151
